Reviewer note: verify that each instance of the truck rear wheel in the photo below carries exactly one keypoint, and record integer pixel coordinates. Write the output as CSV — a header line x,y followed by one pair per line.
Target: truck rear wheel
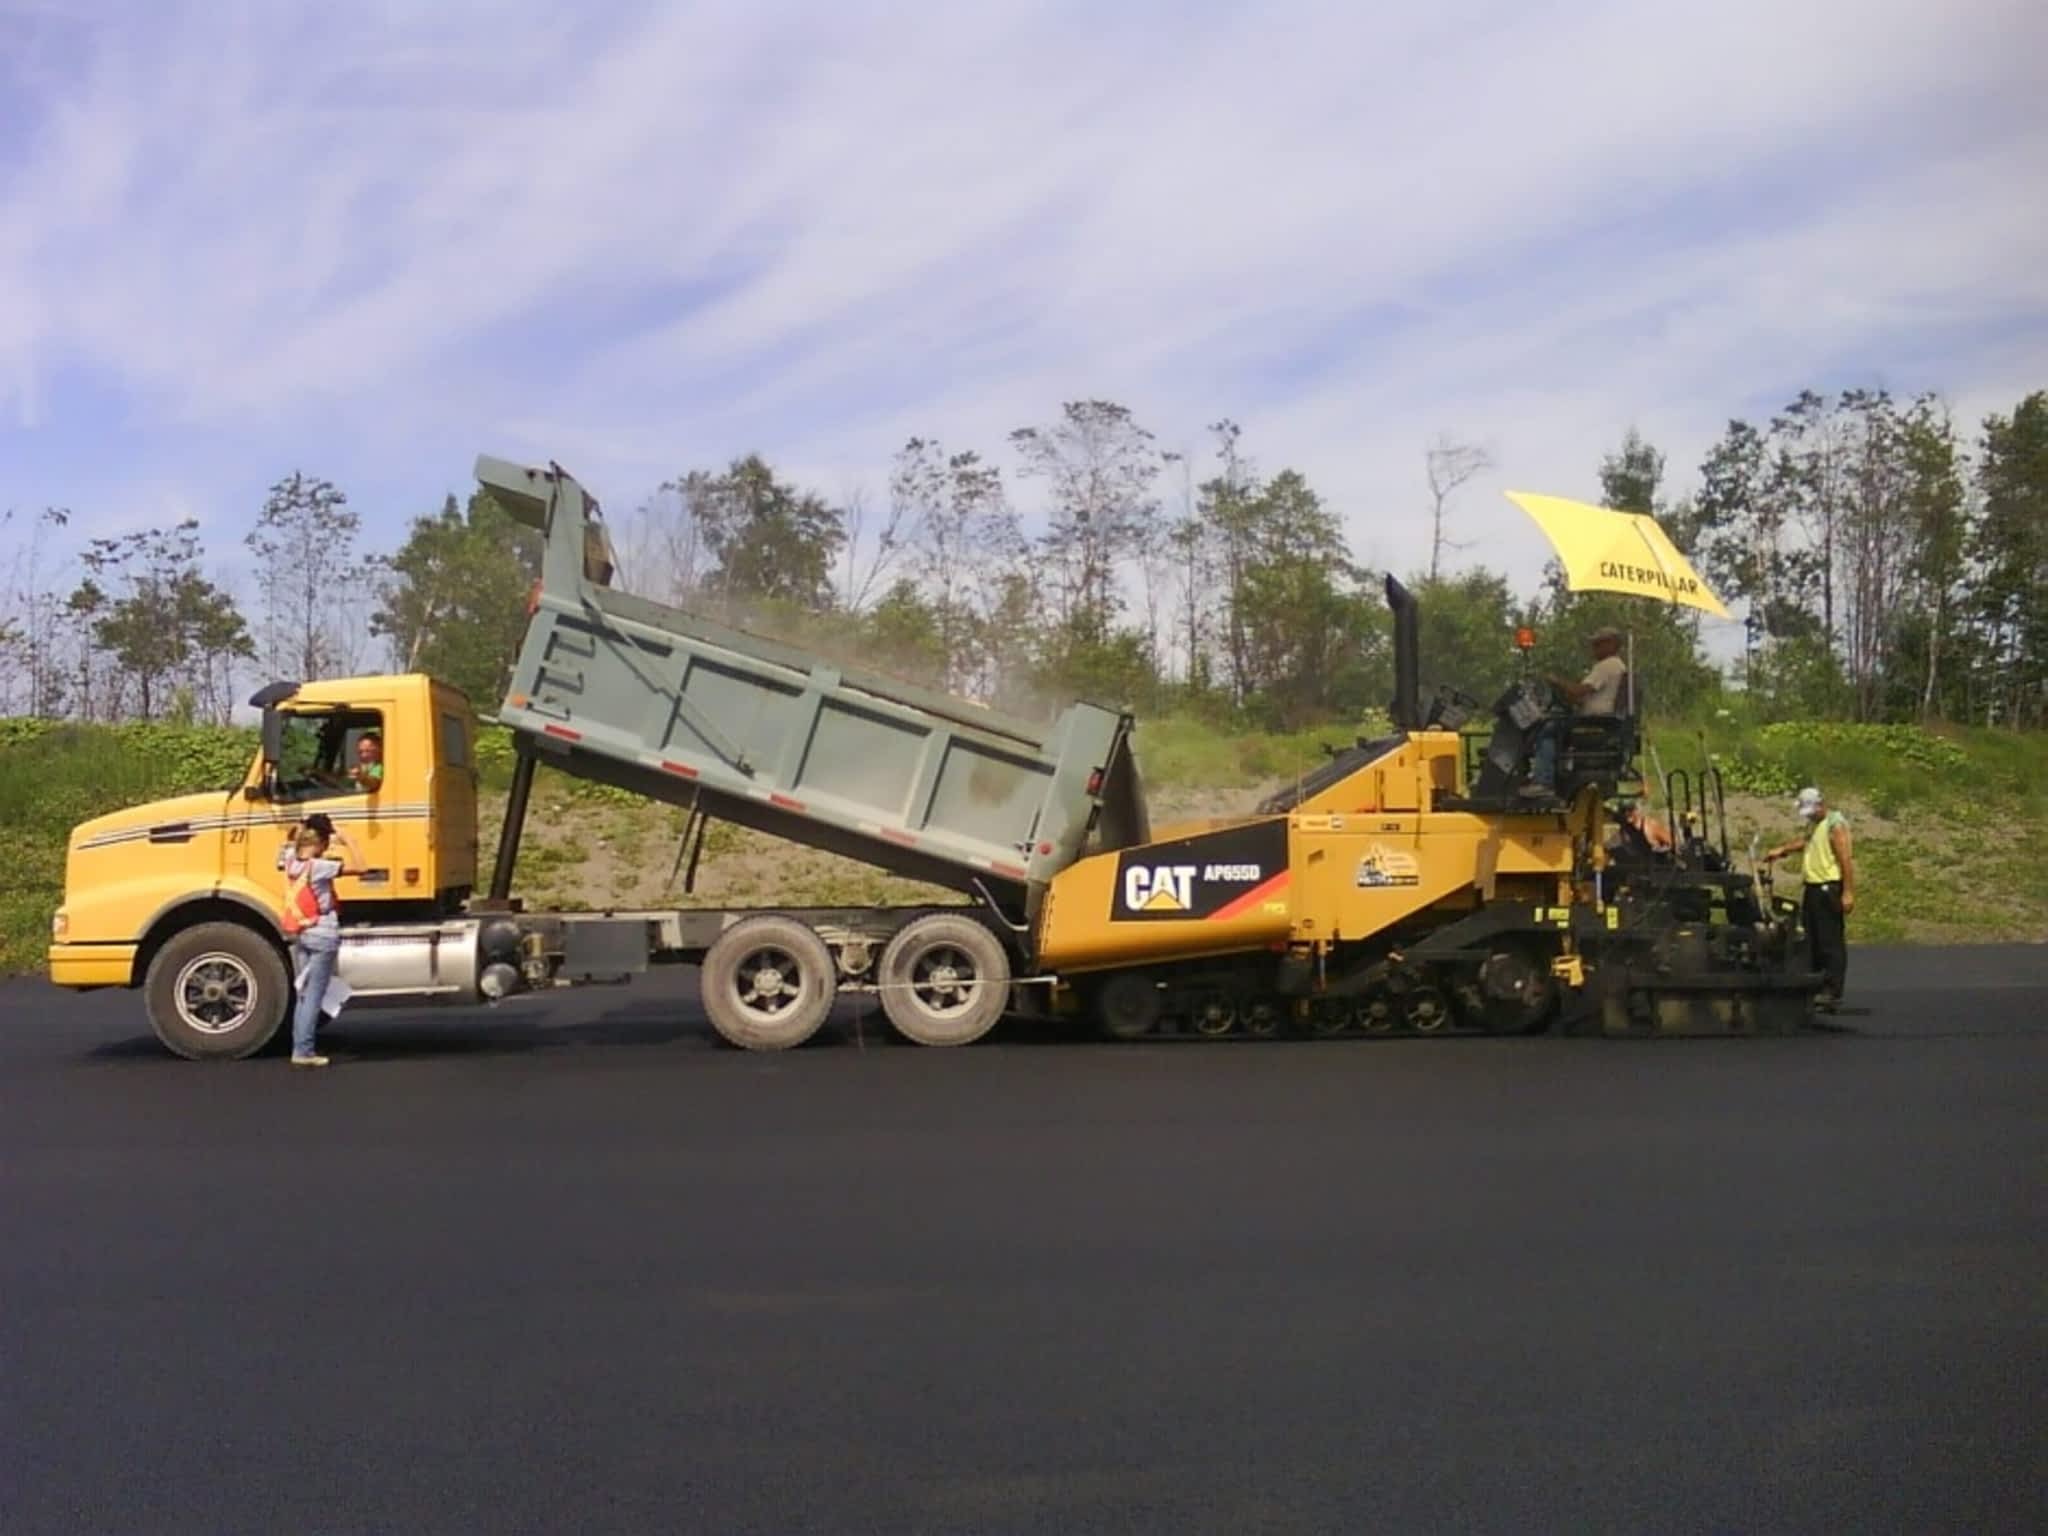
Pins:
x,y
768,983
945,980
217,992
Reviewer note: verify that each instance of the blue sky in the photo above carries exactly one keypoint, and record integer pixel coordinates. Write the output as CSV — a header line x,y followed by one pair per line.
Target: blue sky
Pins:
x,y
371,240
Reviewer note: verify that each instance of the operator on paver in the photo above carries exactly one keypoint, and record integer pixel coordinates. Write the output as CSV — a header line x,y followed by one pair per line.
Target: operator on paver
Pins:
x,y
1642,827
1604,691
1828,872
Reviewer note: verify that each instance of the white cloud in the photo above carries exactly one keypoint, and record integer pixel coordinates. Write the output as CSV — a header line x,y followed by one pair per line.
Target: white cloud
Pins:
x,y
642,236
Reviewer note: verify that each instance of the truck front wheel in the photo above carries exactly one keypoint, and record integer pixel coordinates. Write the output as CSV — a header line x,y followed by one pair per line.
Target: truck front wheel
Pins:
x,y
217,992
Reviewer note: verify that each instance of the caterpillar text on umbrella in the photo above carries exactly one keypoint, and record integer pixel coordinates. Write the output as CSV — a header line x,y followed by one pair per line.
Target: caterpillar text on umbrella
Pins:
x,y
1648,576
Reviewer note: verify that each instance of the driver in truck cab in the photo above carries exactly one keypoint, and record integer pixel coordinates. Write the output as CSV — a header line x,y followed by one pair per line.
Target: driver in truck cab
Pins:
x,y
364,776
368,773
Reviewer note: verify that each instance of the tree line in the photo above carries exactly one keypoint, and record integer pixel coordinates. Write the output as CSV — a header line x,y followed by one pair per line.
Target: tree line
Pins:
x,y
1887,566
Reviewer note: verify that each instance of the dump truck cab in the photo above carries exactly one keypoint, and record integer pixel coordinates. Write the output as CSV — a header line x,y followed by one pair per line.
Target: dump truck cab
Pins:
x,y
137,878
391,761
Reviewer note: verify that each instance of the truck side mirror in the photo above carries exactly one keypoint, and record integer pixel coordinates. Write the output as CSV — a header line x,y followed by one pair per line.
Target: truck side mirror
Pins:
x,y
273,738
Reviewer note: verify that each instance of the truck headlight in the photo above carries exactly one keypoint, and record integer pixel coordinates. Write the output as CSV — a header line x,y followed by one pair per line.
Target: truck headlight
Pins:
x,y
60,927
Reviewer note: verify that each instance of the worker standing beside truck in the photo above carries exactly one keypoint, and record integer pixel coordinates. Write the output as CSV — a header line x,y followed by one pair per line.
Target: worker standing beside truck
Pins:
x,y
1828,874
312,919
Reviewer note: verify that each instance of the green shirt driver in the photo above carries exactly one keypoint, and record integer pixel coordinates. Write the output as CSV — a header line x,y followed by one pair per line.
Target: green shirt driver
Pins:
x,y
368,773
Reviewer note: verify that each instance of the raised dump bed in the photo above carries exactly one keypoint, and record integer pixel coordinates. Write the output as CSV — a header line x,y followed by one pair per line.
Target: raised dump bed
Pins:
x,y
615,688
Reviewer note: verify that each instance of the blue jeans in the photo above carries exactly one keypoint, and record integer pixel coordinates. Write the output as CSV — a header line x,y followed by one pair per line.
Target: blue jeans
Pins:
x,y
313,957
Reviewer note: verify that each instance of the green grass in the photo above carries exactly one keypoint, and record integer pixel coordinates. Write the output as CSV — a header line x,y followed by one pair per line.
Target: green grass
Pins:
x,y
1887,766
1952,825
1182,752
52,777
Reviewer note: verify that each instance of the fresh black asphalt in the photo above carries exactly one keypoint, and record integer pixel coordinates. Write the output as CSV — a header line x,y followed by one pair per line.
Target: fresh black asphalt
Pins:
x,y
572,1266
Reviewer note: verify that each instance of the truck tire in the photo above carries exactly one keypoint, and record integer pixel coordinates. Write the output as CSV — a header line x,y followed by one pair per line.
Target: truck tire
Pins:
x,y
217,992
768,983
945,980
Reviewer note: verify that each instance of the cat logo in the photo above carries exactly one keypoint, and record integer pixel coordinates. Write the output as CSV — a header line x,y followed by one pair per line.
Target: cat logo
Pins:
x,y
1218,876
1384,866
1159,887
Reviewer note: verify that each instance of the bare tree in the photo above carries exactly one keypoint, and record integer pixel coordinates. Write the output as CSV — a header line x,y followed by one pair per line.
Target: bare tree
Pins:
x,y
31,620
1938,507
662,548
1815,477
1157,559
955,513
864,581
310,576
1229,509
1100,466
1191,544
1449,462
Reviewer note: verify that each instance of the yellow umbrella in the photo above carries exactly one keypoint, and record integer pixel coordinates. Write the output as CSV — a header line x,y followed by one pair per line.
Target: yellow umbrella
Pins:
x,y
1608,551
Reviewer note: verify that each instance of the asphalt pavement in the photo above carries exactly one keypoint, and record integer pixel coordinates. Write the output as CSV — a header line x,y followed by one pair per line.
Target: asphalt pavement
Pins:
x,y
572,1265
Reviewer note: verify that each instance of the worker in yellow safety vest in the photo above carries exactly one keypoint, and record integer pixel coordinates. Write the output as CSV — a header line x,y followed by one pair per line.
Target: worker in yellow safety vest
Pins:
x,y
1828,873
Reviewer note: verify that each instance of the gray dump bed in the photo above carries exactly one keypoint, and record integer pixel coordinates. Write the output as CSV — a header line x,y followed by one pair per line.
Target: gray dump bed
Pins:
x,y
616,688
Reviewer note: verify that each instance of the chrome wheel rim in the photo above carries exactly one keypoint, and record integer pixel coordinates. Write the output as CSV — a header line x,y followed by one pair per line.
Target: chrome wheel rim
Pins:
x,y
944,981
215,993
768,983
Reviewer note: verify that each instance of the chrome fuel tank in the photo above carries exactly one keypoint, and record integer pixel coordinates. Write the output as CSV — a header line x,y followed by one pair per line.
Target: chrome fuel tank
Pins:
x,y
433,959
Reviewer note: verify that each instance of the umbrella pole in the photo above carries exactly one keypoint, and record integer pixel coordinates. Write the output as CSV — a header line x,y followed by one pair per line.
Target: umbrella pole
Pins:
x,y
1635,720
